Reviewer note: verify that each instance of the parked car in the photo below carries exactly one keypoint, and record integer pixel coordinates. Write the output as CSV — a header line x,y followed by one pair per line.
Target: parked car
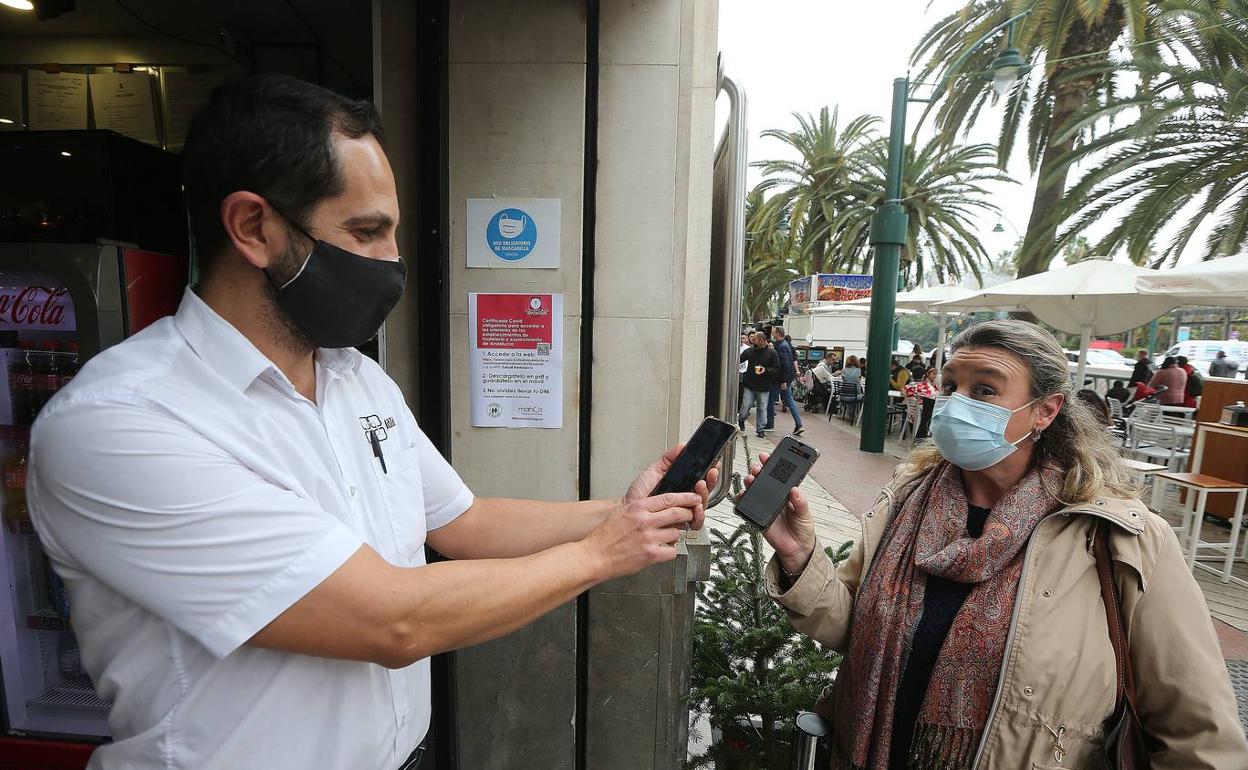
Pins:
x,y
1106,362
1101,358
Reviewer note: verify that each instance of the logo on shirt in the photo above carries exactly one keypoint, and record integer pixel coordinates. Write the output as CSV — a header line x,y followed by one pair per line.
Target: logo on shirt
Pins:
x,y
375,426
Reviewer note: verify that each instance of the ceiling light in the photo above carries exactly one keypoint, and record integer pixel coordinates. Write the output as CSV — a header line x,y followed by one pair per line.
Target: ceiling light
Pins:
x,y
20,5
6,121
66,154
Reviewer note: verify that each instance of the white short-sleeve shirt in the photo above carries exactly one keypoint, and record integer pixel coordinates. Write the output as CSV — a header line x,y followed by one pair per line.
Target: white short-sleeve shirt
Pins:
x,y
188,495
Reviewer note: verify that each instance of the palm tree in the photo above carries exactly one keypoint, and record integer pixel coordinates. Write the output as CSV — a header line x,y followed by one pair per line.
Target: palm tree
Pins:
x,y
768,268
811,190
944,194
1070,41
1185,159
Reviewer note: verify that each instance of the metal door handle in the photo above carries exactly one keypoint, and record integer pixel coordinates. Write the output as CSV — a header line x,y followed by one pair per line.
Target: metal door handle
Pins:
x,y
731,151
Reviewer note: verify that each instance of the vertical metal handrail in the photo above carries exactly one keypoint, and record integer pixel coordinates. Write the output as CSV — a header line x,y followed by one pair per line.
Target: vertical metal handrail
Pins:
x,y
733,141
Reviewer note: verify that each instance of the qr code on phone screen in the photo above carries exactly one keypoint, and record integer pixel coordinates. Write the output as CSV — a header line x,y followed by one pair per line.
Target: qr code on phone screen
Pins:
x,y
783,470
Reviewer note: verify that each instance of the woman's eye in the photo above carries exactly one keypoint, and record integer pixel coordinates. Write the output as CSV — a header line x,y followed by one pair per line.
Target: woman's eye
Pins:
x,y
983,390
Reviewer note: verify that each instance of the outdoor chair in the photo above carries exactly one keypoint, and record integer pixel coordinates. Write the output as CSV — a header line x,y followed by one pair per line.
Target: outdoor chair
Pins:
x,y
850,397
1159,443
1147,412
910,418
1118,427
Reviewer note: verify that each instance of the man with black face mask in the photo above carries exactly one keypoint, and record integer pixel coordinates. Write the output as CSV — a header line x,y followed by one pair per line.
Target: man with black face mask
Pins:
x,y
238,501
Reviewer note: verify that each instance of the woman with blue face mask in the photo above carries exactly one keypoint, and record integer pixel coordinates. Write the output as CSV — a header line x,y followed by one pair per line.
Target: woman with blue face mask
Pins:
x,y
970,611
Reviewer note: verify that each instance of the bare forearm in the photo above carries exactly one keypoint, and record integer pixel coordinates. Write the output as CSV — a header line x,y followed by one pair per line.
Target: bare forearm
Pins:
x,y
450,605
502,528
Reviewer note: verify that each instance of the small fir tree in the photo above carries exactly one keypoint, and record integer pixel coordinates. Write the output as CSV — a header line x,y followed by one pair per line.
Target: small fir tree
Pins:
x,y
751,671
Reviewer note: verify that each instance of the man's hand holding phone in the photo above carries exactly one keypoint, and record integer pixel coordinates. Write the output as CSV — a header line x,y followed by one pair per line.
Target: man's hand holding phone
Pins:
x,y
792,534
647,480
642,534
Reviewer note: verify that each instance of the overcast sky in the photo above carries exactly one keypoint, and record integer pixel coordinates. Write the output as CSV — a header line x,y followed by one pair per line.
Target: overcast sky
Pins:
x,y
800,55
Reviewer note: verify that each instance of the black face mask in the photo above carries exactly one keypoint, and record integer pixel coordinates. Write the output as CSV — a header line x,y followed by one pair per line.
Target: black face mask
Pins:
x,y
339,299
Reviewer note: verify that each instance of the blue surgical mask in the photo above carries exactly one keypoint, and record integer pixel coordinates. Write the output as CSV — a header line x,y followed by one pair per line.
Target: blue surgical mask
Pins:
x,y
971,434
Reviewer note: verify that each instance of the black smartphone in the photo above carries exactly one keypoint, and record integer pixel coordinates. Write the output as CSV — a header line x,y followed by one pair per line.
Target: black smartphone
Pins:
x,y
700,453
785,469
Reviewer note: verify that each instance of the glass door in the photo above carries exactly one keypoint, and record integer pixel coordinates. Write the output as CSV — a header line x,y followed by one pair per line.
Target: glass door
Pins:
x,y
46,689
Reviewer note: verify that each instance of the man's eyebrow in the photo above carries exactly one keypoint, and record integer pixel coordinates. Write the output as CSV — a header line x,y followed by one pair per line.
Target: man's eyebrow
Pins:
x,y
374,219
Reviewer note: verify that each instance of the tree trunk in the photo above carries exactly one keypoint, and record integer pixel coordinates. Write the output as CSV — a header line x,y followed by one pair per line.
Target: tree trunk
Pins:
x,y
1070,96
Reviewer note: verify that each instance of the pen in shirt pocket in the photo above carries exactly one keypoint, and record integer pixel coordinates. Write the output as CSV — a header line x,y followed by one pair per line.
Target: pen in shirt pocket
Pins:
x,y
372,436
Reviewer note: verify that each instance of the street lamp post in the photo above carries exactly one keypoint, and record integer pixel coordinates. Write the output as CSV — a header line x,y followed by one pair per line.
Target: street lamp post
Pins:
x,y
889,225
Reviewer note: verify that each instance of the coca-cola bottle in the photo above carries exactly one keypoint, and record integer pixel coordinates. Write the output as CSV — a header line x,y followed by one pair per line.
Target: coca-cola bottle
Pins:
x,y
68,656
22,385
47,374
14,475
69,367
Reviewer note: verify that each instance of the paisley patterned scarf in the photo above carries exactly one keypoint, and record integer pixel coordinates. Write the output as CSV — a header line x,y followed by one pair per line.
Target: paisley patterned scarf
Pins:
x,y
927,536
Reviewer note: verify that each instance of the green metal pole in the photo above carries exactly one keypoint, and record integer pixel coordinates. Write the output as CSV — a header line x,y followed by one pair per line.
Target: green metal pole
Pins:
x,y
1152,337
888,235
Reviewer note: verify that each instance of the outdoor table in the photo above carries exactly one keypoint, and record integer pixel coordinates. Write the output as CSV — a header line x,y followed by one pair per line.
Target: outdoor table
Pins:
x,y
1186,431
1183,411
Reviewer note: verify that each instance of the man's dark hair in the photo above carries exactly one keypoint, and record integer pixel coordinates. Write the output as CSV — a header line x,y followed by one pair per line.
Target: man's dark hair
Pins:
x,y
1181,360
271,135
1117,383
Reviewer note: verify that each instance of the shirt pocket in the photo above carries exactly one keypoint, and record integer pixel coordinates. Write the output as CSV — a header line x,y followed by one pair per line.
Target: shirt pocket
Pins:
x,y
403,497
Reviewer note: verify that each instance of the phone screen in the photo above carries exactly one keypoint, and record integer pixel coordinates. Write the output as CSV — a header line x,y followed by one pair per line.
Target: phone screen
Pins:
x,y
699,454
785,469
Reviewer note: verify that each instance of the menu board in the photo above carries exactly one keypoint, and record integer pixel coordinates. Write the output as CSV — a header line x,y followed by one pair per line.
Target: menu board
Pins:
x,y
11,115
122,102
182,94
58,100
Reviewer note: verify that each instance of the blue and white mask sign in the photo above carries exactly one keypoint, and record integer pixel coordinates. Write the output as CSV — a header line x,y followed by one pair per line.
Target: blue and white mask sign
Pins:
x,y
513,232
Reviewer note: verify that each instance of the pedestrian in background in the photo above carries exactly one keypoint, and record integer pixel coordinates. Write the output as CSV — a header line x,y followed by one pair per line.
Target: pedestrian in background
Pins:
x,y
900,376
1192,385
1220,367
783,388
1174,379
916,367
762,369
1143,371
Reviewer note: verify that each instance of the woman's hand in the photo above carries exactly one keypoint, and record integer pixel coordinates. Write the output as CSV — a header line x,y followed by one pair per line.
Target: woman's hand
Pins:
x,y
792,534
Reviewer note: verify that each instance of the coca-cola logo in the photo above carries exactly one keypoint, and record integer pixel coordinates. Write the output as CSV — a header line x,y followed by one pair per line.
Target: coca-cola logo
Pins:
x,y
33,306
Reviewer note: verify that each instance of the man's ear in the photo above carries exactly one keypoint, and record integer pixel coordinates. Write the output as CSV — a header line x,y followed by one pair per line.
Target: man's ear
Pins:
x,y
254,228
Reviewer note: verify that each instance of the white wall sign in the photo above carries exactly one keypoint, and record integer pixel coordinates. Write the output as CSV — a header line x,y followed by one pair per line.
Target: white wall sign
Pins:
x,y
513,232
57,100
12,117
516,360
122,102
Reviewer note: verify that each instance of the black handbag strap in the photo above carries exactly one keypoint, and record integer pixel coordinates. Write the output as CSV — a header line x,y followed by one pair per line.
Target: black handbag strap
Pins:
x,y
1113,614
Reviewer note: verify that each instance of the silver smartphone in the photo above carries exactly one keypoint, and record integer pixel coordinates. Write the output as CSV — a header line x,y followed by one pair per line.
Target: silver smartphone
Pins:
x,y
785,469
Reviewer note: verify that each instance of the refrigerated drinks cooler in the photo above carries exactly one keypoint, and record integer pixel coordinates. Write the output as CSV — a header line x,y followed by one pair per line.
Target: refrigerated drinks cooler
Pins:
x,y
59,305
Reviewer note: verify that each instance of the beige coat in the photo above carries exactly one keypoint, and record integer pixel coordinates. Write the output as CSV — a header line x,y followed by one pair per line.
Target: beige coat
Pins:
x,y
1058,675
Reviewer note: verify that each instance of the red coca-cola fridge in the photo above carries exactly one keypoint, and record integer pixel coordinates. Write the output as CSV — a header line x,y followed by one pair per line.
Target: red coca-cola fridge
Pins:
x,y
60,303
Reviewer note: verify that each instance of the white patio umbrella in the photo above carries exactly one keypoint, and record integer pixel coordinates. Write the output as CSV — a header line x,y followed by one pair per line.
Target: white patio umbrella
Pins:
x,y
1095,296
1221,282
930,300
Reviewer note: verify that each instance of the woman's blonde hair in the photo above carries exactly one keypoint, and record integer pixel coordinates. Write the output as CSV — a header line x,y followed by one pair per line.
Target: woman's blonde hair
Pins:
x,y
1076,440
